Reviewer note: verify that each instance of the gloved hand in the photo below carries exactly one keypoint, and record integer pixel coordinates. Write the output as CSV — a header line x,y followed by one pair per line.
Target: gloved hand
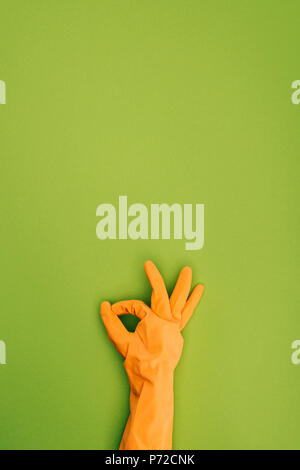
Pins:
x,y
151,354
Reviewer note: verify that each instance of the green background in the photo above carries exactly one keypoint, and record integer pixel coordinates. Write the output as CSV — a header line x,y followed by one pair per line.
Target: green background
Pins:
x,y
162,101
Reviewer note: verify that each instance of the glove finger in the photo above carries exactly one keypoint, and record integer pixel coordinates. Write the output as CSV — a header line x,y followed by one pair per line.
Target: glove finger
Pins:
x,y
191,304
181,291
116,331
160,303
135,307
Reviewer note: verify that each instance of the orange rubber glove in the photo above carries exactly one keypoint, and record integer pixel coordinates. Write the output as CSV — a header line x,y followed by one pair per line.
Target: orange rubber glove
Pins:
x,y
151,354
